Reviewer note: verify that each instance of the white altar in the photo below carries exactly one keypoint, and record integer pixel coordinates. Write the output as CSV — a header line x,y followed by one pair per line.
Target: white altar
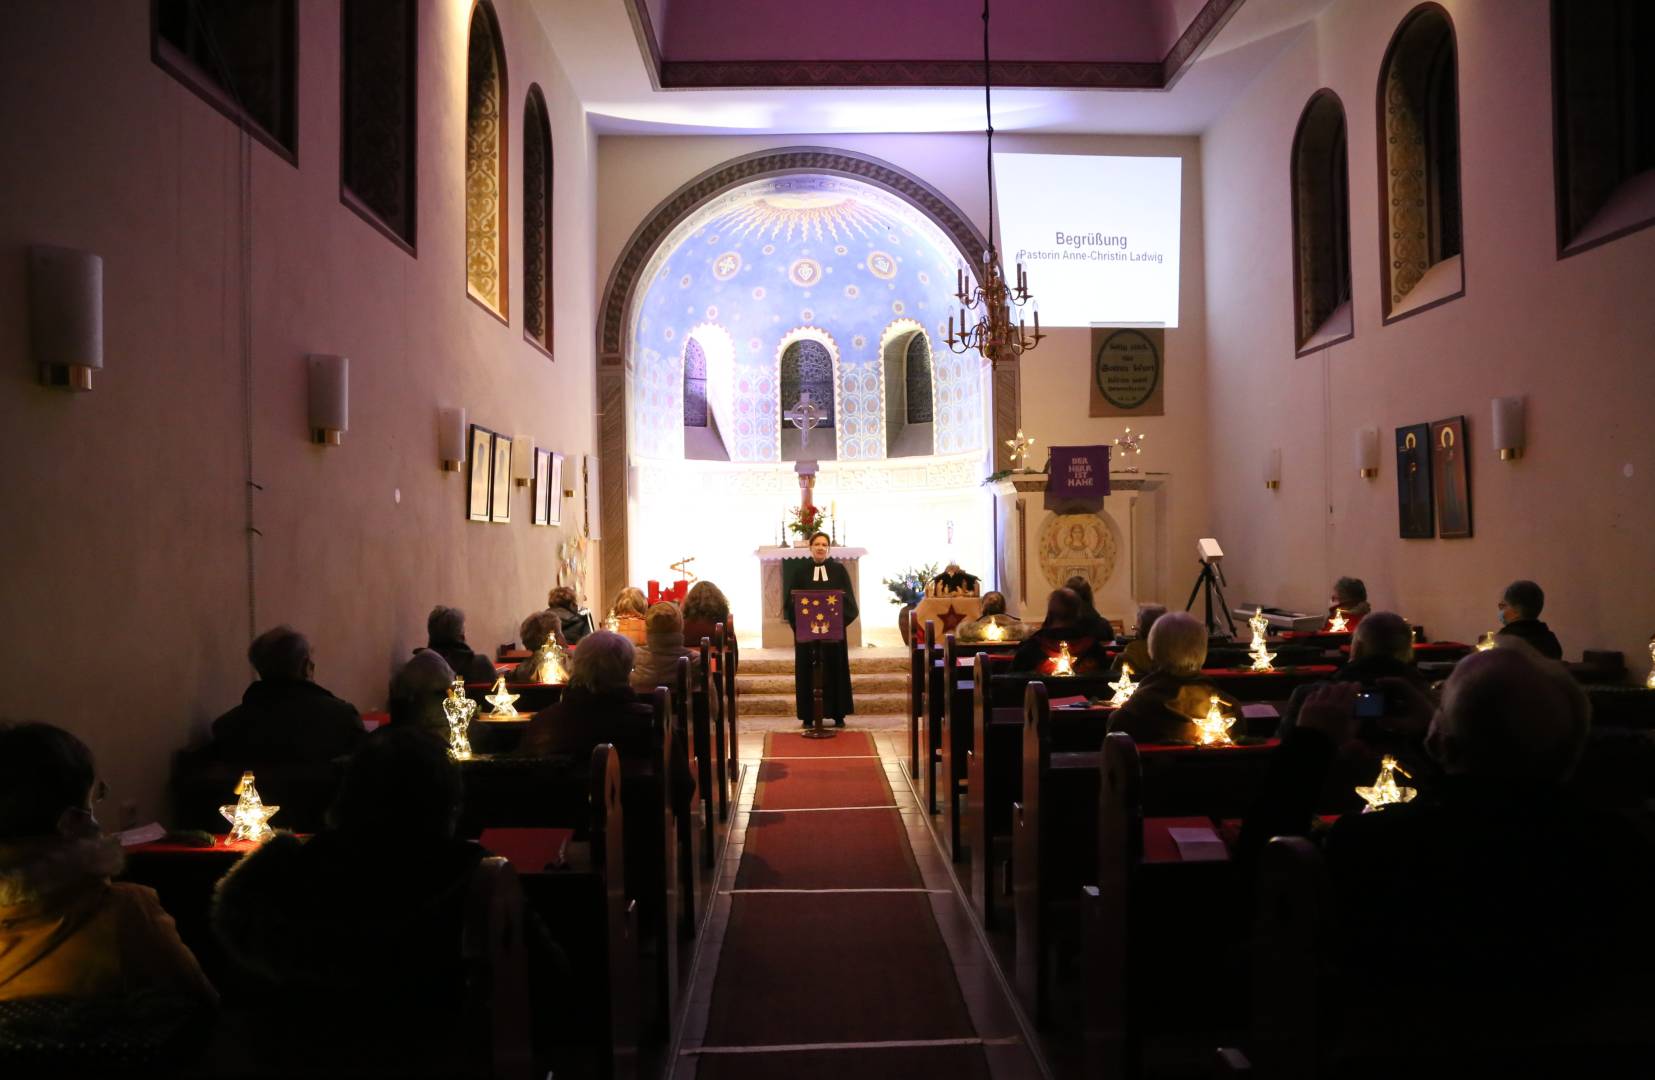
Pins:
x,y
777,634
1121,549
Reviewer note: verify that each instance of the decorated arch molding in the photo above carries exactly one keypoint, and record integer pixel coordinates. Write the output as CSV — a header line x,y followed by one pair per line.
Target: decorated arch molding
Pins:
x,y
625,286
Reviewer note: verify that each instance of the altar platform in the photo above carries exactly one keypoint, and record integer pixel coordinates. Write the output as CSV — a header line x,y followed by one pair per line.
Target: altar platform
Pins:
x,y
776,633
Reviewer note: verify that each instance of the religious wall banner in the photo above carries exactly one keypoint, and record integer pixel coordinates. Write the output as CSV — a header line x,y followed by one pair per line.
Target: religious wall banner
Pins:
x,y
1077,478
1127,377
1413,482
1451,480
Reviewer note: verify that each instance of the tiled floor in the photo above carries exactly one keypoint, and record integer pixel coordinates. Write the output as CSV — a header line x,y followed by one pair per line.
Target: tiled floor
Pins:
x,y
995,1016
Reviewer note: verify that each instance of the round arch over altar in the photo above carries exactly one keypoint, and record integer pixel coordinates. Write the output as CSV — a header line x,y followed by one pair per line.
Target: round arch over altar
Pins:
x,y
819,282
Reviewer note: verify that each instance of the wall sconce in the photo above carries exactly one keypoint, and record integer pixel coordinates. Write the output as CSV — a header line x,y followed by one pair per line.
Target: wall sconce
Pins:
x,y
1510,431
1367,452
1272,469
66,315
451,438
330,407
522,460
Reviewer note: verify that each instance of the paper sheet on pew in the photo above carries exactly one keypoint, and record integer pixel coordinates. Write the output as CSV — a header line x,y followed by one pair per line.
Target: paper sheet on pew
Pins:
x,y
1260,710
1200,844
143,834
1079,701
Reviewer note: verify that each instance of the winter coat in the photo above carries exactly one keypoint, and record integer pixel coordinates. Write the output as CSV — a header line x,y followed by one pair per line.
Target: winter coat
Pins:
x,y
286,721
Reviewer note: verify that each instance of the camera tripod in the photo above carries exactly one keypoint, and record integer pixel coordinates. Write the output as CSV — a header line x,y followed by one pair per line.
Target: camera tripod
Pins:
x,y
1212,583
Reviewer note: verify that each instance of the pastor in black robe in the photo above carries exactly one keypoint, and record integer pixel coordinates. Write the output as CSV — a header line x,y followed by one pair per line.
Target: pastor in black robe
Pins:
x,y
836,696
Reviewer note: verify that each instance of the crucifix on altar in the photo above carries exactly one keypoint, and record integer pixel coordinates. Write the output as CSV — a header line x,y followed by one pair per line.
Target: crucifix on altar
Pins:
x,y
805,415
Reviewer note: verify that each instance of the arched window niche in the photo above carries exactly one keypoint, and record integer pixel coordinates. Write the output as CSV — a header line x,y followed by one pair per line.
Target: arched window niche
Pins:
x,y
709,407
1419,166
808,362
485,162
1604,108
1320,177
537,220
910,405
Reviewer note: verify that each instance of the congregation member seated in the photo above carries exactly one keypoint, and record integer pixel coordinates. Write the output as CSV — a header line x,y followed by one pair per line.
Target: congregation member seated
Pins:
x,y
599,689
655,662
356,932
975,630
1094,624
66,930
445,630
417,693
1493,903
284,717
1381,649
536,630
705,606
1350,595
628,613
1136,653
561,603
1163,708
953,582
1520,618
1063,628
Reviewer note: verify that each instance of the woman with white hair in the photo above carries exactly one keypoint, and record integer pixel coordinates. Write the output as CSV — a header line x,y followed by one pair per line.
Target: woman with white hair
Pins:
x,y
1165,705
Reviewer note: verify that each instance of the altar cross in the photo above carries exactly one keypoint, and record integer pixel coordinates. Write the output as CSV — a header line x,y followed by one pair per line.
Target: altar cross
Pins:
x,y
805,415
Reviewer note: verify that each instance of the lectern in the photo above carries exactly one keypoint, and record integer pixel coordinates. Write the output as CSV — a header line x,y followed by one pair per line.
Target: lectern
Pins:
x,y
818,619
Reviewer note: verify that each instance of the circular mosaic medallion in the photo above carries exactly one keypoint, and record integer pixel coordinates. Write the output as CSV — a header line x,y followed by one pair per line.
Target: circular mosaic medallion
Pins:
x,y
805,272
758,293
726,266
898,306
881,265
1078,545
852,292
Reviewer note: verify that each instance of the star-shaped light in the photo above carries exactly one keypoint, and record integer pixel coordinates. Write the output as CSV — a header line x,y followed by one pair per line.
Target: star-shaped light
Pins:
x,y
1385,790
459,710
1063,663
1486,642
1215,726
1020,446
1129,443
1338,625
1649,683
501,700
1124,688
248,816
993,631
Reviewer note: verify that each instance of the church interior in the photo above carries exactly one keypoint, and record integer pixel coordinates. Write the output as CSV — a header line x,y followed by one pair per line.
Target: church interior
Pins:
x,y
698,538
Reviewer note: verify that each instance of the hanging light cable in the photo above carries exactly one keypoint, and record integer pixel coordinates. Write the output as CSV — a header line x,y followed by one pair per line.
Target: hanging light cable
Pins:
x,y
990,298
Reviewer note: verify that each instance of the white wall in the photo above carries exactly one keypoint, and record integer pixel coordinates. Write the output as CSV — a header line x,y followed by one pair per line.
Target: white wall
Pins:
x,y
125,570
1575,336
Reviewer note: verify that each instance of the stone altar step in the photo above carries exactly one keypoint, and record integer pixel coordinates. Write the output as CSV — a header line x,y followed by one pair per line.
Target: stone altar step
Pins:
x,y
782,704
879,683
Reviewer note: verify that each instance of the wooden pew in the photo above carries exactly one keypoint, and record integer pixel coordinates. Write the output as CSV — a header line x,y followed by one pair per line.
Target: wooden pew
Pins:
x,y
531,697
688,834
699,703
1053,837
712,686
916,692
651,856
931,717
958,734
730,660
994,772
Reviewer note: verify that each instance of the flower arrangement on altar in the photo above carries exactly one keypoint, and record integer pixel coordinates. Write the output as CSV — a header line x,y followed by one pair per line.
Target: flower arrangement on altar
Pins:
x,y
909,585
805,521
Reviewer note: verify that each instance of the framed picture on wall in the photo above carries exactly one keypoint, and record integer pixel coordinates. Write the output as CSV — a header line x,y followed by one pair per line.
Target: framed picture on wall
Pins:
x,y
542,472
500,486
1451,478
1413,482
482,471
554,491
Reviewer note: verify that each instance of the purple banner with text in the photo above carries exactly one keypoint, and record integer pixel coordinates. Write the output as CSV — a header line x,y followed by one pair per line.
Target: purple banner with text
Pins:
x,y
1077,474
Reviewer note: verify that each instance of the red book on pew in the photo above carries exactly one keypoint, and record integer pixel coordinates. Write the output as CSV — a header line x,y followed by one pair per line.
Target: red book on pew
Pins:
x,y
530,851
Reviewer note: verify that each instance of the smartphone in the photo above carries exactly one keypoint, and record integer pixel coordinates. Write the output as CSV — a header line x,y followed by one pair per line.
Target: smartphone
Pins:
x,y
1370,704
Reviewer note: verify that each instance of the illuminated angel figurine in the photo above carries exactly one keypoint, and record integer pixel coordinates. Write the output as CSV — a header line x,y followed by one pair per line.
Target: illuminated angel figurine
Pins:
x,y
1064,662
248,817
551,663
1338,624
1385,790
1215,726
501,699
459,710
1261,628
1124,688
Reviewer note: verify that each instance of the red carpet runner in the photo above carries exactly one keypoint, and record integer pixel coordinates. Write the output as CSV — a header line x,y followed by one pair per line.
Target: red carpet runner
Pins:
x,y
833,982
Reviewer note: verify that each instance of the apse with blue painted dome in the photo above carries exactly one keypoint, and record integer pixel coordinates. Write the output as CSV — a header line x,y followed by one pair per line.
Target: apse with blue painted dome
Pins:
x,y
802,283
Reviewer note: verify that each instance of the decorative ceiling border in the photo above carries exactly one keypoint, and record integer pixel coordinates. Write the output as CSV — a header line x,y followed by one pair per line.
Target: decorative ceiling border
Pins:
x,y
1061,75
623,282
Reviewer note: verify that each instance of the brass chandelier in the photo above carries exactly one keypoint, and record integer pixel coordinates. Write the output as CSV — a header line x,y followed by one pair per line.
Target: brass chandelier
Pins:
x,y
990,297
